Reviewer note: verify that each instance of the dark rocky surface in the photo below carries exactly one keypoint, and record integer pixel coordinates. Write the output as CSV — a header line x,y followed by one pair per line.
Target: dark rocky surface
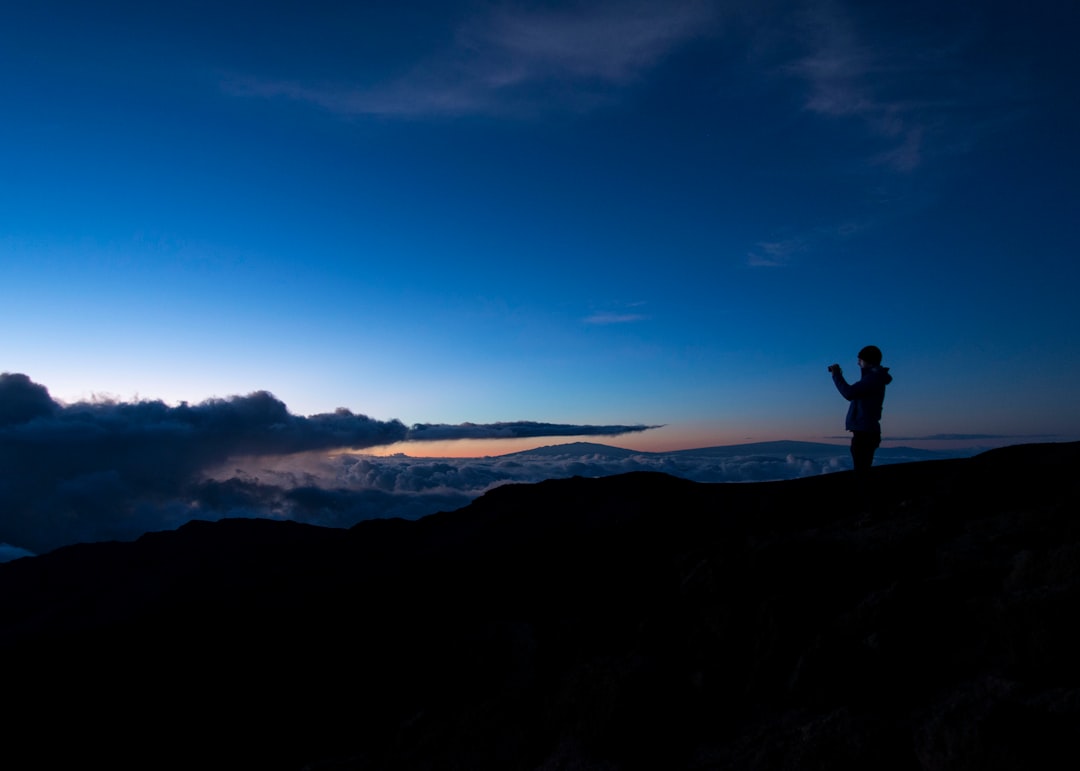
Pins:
x,y
629,622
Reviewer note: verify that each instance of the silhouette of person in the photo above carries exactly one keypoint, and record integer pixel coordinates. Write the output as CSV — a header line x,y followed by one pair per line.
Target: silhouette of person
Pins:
x,y
864,413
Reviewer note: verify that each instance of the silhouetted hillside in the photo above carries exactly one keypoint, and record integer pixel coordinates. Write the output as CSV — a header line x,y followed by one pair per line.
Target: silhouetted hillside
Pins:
x,y
630,622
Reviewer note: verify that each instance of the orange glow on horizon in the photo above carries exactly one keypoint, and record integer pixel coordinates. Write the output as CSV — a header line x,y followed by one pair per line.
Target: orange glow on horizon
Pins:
x,y
664,439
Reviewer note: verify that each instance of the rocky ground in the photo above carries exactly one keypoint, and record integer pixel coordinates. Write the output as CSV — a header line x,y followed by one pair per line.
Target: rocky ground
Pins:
x,y
629,622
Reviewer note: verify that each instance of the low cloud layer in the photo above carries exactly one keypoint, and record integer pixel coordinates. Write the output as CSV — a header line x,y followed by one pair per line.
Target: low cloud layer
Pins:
x,y
341,489
112,470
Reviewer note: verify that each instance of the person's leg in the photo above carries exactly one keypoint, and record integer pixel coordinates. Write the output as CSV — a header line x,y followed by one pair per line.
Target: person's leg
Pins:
x,y
863,445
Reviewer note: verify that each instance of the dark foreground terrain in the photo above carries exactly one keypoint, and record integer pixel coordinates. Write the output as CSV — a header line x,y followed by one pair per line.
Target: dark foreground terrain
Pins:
x,y
630,622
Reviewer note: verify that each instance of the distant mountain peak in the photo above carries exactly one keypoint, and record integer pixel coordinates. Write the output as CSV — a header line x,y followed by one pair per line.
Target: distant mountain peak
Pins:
x,y
576,449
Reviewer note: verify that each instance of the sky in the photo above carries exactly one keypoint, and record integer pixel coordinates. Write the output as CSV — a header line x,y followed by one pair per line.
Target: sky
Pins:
x,y
673,214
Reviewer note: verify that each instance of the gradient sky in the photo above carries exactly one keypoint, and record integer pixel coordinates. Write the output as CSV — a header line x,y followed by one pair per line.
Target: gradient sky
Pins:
x,y
655,212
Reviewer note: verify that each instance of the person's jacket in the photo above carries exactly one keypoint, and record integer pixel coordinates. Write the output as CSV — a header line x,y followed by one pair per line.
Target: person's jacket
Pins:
x,y
866,397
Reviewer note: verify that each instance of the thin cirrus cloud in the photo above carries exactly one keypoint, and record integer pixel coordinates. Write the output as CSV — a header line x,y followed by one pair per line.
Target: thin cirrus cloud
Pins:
x,y
504,61
607,317
613,43
782,252
103,470
773,254
847,76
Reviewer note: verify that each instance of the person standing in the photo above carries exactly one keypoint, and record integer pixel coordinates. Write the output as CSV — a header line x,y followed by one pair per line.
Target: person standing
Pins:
x,y
864,411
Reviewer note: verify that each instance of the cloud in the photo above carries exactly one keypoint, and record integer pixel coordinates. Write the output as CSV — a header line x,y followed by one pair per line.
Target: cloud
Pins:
x,y
773,254
110,470
613,42
22,400
848,75
8,553
520,429
908,155
344,488
515,58
113,470
322,504
971,437
607,317
778,253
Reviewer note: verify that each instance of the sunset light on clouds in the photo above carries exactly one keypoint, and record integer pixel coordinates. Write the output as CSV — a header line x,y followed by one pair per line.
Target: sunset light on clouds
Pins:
x,y
663,214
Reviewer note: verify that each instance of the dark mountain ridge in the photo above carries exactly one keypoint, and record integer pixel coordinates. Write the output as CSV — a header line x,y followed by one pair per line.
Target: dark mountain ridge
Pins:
x,y
630,622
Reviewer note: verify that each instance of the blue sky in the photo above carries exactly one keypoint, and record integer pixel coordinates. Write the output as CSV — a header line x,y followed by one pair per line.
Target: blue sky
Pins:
x,y
628,213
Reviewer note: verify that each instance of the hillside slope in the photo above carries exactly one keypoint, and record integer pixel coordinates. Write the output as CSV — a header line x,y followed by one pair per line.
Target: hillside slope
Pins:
x,y
630,622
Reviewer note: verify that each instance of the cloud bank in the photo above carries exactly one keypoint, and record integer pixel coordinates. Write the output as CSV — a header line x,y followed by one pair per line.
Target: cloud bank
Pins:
x,y
112,470
341,489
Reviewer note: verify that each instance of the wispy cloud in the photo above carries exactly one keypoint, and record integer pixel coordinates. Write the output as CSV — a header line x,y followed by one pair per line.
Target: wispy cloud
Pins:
x,y
613,42
781,252
971,437
503,61
848,76
608,317
772,254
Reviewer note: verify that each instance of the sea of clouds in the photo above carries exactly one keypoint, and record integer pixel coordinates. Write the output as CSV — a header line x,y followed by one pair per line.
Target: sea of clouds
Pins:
x,y
109,470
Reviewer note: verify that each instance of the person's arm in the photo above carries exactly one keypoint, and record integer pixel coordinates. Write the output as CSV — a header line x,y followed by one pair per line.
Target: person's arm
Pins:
x,y
848,390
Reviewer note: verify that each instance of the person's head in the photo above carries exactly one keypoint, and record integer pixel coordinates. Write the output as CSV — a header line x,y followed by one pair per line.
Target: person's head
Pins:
x,y
870,356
